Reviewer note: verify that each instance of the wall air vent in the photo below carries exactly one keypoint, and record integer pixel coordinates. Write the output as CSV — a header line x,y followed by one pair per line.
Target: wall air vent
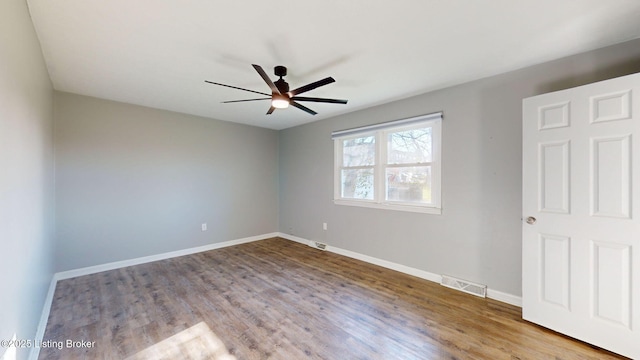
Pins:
x,y
318,245
464,285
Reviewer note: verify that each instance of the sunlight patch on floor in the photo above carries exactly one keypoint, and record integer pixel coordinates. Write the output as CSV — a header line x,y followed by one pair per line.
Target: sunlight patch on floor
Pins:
x,y
196,342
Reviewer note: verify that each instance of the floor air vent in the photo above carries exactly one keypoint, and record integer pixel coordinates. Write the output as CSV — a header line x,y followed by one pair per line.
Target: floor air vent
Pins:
x,y
464,285
318,245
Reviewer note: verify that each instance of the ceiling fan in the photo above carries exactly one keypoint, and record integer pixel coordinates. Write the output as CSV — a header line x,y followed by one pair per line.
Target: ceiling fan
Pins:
x,y
281,97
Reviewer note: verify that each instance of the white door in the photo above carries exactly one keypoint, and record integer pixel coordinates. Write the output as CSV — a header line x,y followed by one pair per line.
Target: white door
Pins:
x,y
581,213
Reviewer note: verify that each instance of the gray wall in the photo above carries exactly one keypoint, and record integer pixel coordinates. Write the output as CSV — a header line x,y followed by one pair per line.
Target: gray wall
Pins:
x,y
133,181
478,235
26,175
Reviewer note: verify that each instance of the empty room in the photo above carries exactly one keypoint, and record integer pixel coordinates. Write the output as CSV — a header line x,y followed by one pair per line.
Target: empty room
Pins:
x,y
319,180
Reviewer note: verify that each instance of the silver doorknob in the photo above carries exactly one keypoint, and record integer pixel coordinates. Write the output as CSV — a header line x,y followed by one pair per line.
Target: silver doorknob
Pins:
x,y
531,220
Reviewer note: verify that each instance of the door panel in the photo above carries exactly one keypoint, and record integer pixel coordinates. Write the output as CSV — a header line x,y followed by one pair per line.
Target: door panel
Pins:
x,y
610,176
581,243
554,177
612,283
556,269
611,107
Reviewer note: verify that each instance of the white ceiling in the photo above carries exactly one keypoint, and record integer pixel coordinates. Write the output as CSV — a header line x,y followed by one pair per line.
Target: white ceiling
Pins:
x,y
158,53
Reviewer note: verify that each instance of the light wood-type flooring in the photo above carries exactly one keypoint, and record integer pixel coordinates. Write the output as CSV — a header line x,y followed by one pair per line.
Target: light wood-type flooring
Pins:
x,y
277,299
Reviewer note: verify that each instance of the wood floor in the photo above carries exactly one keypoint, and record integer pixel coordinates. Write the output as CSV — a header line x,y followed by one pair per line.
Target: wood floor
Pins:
x,y
276,299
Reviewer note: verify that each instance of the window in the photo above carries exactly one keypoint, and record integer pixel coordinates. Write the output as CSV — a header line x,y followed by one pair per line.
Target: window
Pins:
x,y
394,165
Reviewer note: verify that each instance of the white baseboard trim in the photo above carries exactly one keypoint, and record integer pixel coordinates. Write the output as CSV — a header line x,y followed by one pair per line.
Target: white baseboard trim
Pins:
x,y
504,297
44,318
492,294
294,238
146,259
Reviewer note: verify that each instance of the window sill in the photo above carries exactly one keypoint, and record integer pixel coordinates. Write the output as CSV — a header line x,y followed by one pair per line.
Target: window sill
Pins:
x,y
390,206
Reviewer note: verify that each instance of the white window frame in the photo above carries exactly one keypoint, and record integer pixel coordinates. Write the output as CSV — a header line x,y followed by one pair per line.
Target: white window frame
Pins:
x,y
380,131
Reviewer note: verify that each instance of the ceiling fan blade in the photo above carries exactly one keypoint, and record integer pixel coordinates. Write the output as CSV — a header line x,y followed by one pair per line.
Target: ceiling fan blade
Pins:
x,y
321,100
302,107
235,101
271,109
235,87
266,78
311,86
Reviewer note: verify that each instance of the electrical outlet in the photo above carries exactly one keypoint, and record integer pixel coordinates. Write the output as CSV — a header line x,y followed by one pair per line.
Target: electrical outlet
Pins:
x,y
204,227
324,226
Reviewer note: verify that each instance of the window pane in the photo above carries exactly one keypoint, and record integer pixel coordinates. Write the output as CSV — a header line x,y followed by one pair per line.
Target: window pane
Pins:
x,y
359,151
409,184
357,184
411,146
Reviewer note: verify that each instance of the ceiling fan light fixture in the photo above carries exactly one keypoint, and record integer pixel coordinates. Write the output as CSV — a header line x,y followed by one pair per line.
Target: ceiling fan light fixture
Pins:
x,y
279,102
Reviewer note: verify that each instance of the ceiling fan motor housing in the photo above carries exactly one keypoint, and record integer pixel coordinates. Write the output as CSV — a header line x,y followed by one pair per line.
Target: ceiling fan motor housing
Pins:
x,y
282,86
